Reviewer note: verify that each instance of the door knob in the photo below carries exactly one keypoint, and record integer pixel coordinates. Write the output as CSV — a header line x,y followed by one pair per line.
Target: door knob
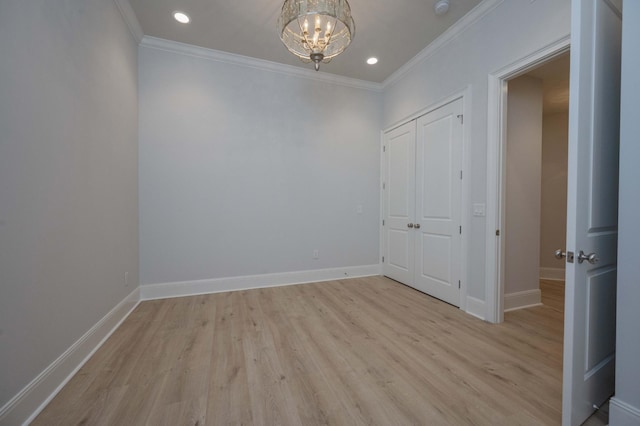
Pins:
x,y
417,226
560,254
410,225
591,257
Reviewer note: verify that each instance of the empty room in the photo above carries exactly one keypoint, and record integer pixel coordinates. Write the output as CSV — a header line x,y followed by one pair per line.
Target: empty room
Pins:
x,y
297,212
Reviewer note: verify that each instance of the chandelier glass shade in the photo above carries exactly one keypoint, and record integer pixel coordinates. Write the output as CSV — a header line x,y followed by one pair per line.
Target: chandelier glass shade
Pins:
x,y
316,30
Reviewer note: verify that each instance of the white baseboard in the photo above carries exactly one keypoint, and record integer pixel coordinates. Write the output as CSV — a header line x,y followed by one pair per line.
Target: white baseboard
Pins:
x,y
623,414
522,299
554,274
476,307
219,285
31,400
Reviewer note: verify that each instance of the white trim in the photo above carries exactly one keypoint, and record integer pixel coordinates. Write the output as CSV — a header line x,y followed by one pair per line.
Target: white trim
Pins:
x,y
260,64
383,177
465,205
496,122
522,299
31,400
476,14
249,282
553,274
130,18
476,307
458,94
623,414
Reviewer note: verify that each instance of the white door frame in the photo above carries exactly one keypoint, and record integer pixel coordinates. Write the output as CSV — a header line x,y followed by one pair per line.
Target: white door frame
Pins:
x,y
496,162
465,95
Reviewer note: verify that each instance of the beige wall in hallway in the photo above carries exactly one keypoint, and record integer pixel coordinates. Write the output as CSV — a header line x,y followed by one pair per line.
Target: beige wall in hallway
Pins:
x,y
523,169
553,223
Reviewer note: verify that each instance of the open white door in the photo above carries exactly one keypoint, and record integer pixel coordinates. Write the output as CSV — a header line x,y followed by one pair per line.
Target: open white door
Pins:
x,y
592,208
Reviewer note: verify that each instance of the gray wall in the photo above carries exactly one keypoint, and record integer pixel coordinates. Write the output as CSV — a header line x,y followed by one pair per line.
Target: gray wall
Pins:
x,y
522,186
513,30
68,177
246,171
553,219
627,397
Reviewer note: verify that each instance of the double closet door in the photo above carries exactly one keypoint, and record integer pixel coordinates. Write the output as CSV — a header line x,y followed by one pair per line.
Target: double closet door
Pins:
x,y
422,203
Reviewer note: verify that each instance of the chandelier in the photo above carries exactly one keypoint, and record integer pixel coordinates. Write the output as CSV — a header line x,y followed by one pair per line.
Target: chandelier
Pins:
x,y
316,30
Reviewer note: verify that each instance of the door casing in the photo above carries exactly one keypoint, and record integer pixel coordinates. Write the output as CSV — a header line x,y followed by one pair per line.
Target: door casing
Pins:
x,y
496,171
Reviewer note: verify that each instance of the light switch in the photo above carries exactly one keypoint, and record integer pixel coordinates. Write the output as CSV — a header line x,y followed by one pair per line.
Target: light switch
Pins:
x,y
478,210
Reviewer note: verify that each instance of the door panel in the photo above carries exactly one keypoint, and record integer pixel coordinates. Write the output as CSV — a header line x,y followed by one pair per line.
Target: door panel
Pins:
x,y
399,204
398,250
437,264
435,164
600,314
439,192
592,203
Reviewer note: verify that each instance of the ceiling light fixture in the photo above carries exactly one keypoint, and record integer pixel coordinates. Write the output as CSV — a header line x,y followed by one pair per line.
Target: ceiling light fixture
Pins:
x,y
372,61
181,17
316,30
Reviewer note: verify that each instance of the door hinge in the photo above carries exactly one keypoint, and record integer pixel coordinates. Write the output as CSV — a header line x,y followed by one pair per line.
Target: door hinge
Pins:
x,y
497,232
460,174
459,284
382,259
384,185
461,117
382,222
384,148
460,229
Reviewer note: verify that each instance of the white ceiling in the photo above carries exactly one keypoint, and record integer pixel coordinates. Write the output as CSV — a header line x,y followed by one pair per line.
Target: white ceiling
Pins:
x,y
392,30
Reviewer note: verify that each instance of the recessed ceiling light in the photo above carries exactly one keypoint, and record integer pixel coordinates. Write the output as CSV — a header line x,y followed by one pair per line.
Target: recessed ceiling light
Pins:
x,y
181,17
372,61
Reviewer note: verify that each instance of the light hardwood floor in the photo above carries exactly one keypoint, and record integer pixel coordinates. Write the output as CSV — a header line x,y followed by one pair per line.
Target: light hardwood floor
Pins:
x,y
360,351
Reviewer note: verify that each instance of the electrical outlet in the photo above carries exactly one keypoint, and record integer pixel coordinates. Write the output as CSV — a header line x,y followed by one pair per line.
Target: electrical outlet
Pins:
x,y
126,279
316,254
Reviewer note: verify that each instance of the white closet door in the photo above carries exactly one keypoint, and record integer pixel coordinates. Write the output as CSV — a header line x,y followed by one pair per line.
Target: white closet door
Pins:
x,y
438,203
399,203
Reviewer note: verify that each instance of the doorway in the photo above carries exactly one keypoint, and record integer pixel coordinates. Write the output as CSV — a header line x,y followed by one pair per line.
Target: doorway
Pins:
x,y
534,205
592,226
497,185
535,192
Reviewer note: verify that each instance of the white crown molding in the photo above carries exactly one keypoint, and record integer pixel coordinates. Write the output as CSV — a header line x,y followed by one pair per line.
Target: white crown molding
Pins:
x,y
249,282
468,20
261,64
130,18
30,401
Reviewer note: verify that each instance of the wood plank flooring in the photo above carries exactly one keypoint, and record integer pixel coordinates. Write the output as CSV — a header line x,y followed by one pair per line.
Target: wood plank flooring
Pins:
x,y
359,351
